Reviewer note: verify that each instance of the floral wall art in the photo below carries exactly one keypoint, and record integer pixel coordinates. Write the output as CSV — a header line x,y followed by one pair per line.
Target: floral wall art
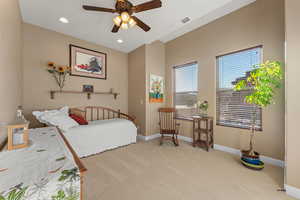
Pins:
x,y
156,94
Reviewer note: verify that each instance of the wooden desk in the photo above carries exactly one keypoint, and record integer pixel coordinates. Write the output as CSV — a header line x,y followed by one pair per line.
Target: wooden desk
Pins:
x,y
199,130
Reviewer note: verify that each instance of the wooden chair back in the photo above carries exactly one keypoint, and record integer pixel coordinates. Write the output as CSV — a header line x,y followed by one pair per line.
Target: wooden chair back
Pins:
x,y
167,120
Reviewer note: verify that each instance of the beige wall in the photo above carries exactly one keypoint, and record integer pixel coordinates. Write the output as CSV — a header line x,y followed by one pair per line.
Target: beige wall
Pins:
x,y
42,46
136,86
10,61
260,23
292,93
145,60
155,64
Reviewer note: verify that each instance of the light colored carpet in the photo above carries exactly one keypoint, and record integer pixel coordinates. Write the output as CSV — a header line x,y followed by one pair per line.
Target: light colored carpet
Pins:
x,y
147,171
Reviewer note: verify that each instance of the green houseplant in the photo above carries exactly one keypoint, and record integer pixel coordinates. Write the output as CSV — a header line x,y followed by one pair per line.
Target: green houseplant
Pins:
x,y
203,107
262,81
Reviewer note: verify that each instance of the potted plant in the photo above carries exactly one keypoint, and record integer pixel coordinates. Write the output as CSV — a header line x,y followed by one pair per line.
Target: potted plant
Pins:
x,y
262,81
203,107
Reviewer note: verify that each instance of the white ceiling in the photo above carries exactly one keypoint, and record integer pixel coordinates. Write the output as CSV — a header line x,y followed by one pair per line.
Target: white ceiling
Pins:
x,y
96,26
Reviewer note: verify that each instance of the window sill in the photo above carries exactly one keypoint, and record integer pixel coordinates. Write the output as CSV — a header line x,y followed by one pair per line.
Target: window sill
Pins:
x,y
237,127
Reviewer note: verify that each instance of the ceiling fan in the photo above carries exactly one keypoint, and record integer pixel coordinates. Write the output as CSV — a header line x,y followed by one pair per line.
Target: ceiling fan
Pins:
x,y
125,10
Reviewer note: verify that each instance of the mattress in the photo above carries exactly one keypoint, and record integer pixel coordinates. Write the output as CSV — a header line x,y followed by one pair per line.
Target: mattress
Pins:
x,y
101,135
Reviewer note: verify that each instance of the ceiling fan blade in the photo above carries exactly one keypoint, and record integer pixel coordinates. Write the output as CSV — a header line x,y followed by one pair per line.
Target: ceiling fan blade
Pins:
x,y
147,6
141,24
94,8
115,29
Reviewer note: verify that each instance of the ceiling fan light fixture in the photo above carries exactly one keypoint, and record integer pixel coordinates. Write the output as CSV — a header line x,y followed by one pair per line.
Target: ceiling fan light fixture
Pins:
x,y
131,22
124,25
125,16
117,20
125,10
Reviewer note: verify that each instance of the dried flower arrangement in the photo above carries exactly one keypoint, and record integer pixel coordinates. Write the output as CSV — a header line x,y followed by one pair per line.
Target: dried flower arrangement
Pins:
x,y
59,73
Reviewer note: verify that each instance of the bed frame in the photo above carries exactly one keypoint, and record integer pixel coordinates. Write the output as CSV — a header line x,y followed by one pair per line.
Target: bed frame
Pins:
x,y
92,113
82,169
89,113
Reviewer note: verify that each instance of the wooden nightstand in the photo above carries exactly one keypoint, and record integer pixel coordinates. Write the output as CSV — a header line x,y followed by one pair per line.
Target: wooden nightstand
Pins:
x,y
203,126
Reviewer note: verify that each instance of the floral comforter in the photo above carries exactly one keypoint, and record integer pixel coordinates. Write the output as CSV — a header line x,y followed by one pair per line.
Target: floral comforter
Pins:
x,y
45,170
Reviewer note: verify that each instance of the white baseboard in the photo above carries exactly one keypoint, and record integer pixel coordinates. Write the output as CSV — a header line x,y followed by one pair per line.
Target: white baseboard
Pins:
x,y
265,159
227,149
273,161
292,191
140,137
184,138
157,135
147,138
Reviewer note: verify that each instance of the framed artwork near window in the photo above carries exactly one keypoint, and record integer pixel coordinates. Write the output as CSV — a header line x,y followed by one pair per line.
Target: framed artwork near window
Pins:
x,y
87,63
156,93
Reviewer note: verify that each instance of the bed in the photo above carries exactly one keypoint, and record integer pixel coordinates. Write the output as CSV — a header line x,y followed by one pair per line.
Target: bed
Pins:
x,y
47,169
107,129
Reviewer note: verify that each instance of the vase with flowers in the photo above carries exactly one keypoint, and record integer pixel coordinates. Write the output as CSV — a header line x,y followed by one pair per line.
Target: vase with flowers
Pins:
x,y
59,73
203,107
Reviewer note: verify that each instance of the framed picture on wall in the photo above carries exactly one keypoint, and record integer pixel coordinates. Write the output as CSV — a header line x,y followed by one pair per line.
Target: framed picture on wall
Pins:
x,y
88,88
87,63
156,93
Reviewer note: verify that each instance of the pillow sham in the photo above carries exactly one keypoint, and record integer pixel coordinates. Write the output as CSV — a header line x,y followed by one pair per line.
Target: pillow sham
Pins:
x,y
80,120
39,114
59,118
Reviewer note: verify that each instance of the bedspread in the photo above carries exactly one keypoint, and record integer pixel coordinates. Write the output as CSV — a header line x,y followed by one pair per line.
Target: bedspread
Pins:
x,y
101,135
45,170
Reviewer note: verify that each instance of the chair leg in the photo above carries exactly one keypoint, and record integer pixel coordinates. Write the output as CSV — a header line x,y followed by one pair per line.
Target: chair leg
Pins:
x,y
212,140
161,139
207,142
194,132
175,140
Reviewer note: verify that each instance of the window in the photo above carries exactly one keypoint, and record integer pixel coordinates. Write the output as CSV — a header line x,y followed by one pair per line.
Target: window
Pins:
x,y
232,110
186,88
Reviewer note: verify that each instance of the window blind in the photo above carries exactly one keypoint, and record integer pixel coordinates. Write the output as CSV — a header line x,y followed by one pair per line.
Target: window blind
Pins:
x,y
232,110
186,88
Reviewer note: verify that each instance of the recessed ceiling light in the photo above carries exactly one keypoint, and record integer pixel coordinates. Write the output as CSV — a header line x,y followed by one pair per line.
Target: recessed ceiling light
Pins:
x,y
64,20
120,41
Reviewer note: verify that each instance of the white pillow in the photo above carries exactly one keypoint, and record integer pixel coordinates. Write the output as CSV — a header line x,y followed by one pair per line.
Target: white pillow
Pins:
x,y
59,118
38,114
64,122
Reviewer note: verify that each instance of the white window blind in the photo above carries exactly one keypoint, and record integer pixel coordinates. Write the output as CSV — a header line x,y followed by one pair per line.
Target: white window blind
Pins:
x,y
232,111
186,88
